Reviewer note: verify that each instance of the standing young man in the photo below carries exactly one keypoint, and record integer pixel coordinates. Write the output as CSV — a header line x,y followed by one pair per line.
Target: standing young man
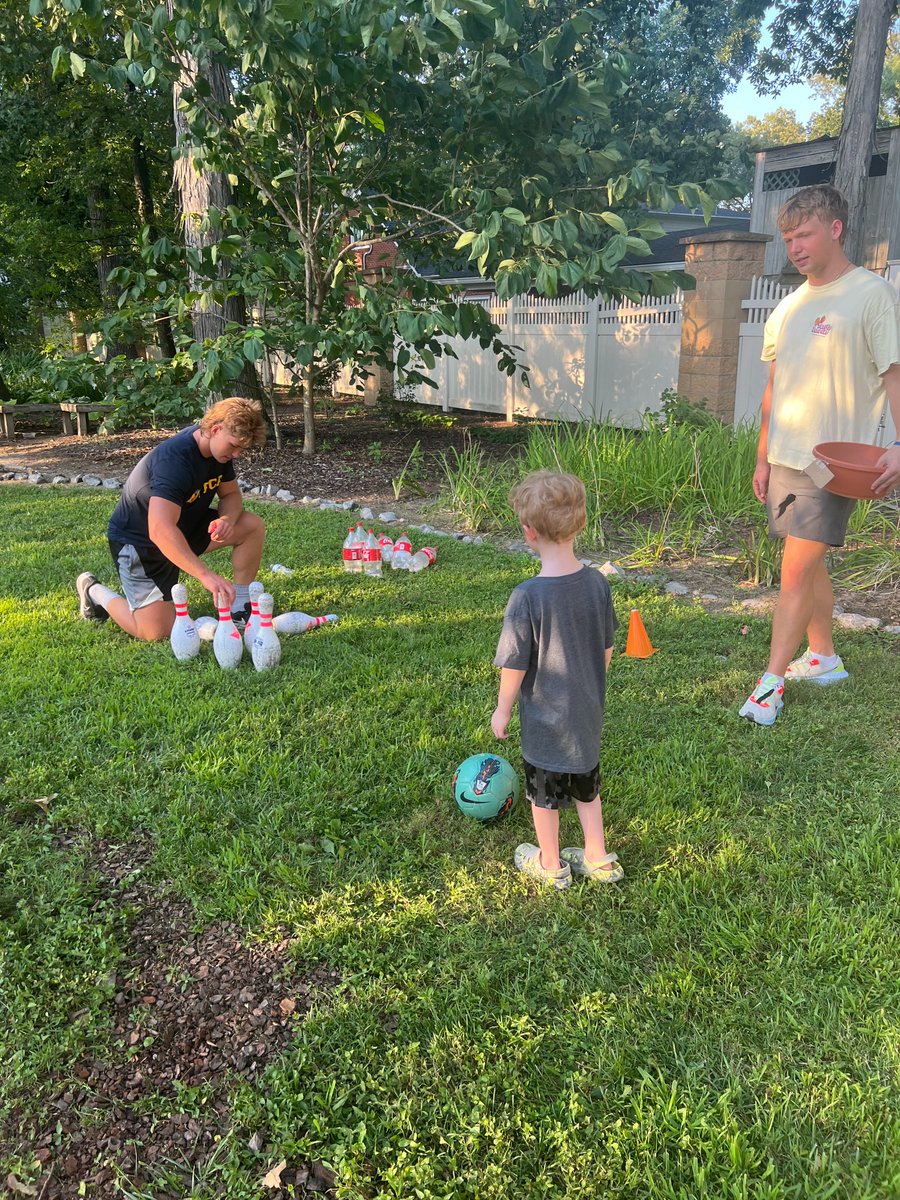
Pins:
x,y
834,349
165,521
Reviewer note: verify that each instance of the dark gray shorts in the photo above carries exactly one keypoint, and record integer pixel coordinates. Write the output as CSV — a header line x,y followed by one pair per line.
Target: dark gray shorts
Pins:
x,y
560,789
798,508
147,576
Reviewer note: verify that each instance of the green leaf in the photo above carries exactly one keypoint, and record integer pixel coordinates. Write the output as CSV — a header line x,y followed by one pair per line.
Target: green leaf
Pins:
x,y
547,280
59,61
76,65
465,239
614,221
514,215
374,120
452,24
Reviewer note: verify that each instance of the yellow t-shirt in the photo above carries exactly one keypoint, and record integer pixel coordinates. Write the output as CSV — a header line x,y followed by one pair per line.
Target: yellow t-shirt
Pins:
x,y
831,345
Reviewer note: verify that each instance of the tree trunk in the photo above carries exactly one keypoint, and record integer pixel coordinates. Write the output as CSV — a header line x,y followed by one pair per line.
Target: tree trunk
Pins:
x,y
309,420
5,394
267,375
857,141
79,338
143,190
199,191
107,261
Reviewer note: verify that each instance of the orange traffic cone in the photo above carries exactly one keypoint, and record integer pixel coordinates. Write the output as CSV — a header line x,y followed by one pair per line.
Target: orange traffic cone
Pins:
x,y
638,643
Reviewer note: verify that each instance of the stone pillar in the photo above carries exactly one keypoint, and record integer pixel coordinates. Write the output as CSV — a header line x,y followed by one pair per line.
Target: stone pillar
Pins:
x,y
723,263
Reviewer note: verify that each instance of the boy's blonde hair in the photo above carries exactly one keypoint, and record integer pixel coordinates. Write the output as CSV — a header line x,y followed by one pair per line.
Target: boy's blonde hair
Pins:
x,y
822,201
553,503
243,418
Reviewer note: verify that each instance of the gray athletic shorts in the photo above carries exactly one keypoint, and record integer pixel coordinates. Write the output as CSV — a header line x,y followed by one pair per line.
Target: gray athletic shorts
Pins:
x,y
147,575
798,508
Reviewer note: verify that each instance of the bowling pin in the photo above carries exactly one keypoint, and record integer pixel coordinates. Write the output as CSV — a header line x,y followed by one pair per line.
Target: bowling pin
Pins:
x,y
266,648
206,628
299,622
227,644
183,639
255,589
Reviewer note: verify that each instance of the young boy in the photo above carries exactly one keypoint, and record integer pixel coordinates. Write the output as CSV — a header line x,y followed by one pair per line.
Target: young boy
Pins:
x,y
553,654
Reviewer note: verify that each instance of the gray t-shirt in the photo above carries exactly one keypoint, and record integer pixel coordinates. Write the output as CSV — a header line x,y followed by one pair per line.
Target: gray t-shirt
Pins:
x,y
557,629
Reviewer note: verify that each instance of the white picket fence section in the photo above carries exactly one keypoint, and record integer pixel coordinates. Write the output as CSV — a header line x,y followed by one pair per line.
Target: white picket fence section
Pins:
x,y
587,359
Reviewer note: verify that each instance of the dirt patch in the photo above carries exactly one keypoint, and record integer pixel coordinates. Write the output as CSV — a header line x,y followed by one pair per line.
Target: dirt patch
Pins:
x,y
361,455
190,1009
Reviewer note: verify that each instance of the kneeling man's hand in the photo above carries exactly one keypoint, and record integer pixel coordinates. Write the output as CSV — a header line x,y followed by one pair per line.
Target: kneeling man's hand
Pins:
x,y
221,529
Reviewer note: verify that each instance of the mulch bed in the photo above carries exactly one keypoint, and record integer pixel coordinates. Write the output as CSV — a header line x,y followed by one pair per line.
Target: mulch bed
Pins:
x,y
190,1009
358,453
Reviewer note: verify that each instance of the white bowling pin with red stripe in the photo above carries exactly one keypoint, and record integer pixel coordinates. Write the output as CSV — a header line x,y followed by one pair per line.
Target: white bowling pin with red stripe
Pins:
x,y
183,639
255,590
266,648
300,622
228,645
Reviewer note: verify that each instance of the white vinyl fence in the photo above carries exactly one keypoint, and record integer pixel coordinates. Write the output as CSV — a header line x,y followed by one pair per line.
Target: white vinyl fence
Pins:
x,y
752,372
587,359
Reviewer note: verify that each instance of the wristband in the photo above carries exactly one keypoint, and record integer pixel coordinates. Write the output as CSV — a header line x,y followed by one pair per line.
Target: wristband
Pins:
x,y
897,443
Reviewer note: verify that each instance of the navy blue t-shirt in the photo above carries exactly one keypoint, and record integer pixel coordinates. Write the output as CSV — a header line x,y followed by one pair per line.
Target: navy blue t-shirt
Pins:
x,y
174,470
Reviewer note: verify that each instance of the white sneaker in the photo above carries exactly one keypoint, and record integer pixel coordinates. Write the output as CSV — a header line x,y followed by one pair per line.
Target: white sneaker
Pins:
x,y
765,703
809,668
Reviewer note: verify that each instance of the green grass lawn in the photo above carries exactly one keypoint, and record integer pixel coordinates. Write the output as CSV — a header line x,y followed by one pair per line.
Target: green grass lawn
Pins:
x,y
725,1023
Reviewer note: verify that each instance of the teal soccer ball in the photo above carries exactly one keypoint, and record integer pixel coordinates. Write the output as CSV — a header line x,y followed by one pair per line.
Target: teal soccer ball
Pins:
x,y
485,787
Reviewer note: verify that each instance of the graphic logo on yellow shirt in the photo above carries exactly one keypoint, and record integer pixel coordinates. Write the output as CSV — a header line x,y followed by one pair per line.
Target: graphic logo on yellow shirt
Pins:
x,y
821,328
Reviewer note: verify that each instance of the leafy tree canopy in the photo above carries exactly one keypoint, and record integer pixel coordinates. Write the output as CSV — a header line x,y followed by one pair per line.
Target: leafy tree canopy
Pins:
x,y
490,129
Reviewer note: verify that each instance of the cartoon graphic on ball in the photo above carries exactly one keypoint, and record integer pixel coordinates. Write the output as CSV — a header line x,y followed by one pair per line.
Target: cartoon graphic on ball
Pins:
x,y
485,787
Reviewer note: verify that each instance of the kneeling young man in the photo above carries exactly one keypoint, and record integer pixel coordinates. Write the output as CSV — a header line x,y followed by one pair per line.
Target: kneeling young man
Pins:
x,y
165,521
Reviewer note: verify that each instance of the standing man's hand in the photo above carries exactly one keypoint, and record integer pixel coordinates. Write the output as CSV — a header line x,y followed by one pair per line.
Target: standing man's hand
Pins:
x,y
761,480
890,472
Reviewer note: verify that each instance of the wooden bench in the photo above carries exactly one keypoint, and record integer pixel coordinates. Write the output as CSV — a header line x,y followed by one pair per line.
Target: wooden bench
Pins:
x,y
82,413
9,412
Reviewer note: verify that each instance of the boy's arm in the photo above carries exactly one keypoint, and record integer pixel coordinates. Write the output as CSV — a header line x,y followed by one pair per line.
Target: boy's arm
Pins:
x,y
609,654
510,685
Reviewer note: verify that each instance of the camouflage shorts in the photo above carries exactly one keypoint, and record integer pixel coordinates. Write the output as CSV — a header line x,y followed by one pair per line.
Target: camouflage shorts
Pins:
x,y
560,789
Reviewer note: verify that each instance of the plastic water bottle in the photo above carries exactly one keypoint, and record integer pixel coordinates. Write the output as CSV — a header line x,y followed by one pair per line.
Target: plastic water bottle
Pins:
x,y
386,546
402,555
372,556
422,558
351,552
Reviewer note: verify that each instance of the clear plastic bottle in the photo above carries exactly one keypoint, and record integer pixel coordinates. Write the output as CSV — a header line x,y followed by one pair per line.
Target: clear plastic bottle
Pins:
x,y
351,552
422,558
402,553
386,546
372,556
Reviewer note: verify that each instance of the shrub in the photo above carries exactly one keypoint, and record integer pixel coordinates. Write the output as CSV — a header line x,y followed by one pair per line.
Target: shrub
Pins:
x,y
144,392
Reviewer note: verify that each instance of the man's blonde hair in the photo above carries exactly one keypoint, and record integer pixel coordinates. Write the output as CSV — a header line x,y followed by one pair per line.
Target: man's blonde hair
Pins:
x,y
244,419
553,503
822,201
